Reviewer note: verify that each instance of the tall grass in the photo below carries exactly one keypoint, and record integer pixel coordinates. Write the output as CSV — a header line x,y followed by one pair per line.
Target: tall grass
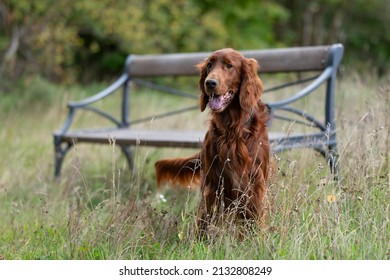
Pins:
x,y
99,210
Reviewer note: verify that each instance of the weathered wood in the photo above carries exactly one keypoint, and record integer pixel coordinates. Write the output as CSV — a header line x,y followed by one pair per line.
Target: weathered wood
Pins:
x,y
158,138
184,64
133,137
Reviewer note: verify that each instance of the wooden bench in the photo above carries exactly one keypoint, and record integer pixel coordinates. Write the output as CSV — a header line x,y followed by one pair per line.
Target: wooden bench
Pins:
x,y
323,61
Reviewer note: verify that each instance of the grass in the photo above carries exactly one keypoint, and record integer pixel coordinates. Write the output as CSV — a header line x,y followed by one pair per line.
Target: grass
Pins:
x,y
98,210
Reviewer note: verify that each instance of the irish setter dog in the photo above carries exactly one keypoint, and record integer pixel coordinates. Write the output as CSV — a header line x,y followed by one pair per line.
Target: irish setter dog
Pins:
x,y
233,164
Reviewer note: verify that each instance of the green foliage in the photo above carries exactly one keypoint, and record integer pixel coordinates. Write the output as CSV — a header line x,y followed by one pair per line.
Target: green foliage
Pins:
x,y
94,37
46,41
250,24
362,26
368,34
88,40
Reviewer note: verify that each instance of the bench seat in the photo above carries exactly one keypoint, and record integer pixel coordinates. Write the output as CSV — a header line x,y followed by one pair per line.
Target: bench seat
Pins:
x,y
181,138
133,137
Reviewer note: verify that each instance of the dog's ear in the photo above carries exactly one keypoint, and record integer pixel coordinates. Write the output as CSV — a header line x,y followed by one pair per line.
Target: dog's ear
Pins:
x,y
251,86
203,97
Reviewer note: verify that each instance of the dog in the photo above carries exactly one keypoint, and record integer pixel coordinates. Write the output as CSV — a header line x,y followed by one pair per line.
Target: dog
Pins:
x,y
233,165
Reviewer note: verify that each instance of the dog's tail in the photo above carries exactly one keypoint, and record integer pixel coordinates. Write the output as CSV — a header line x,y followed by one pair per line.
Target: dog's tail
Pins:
x,y
179,171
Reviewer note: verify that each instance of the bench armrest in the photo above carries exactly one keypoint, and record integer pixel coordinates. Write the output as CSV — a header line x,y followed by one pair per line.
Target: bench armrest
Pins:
x,y
335,55
100,95
326,74
85,105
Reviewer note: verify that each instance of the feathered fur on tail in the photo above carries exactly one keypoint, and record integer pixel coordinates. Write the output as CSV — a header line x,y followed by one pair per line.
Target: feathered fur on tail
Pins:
x,y
179,171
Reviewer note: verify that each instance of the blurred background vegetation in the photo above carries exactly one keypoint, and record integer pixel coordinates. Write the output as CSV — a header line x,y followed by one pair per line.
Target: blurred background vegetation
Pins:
x,y
55,51
83,41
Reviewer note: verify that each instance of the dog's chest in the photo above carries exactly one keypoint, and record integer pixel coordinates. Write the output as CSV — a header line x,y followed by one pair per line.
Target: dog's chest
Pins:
x,y
225,153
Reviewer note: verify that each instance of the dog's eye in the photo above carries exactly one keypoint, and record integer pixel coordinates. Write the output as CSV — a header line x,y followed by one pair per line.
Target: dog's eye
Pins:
x,y
228,65
209,65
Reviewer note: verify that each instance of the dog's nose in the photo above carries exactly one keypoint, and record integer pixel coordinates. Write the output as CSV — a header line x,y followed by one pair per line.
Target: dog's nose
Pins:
x,y
211,84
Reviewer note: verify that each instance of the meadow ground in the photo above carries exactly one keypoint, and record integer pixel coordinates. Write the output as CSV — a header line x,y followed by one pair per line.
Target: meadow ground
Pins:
x,y
98,210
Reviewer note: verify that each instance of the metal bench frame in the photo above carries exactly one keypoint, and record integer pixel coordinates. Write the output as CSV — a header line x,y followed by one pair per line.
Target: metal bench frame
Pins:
x,y
324,60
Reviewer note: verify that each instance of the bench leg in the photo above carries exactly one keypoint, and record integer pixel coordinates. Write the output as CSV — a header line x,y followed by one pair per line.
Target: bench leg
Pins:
x,y
126,150
331,156
60,153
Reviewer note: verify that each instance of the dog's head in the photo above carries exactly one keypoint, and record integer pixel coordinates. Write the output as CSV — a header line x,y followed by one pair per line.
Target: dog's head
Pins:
x,y
225,74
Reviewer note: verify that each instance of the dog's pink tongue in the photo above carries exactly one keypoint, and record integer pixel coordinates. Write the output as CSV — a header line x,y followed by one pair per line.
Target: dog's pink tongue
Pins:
x,y
215,102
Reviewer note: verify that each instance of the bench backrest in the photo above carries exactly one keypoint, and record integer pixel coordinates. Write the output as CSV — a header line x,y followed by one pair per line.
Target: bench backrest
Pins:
x,y
271,61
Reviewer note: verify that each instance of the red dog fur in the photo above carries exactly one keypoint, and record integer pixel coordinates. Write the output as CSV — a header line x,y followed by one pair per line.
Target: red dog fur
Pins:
x,y
233,165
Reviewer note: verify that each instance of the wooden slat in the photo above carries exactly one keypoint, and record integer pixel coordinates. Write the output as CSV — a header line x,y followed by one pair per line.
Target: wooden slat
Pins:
x,y
124,136
271,61
156,138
